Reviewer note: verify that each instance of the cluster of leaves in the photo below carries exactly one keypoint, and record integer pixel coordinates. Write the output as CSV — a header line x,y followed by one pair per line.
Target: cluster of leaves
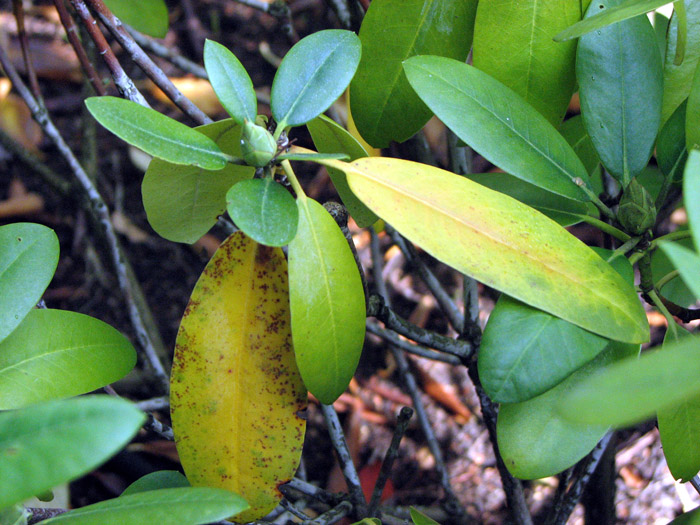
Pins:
x,y
560,351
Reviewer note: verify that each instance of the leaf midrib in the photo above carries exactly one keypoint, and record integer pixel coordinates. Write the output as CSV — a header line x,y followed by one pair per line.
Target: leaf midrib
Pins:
x,y
436,207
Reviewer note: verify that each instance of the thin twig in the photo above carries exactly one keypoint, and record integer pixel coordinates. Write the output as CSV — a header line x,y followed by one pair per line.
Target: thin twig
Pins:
x,y
97,207
40,514
141,59
452,504
347,466
393,338
195,30
392,452
168,54
695,482
447,305
18,10
313,491
290,508
124,84
159,428
334,515
72,34
573,495
155,403
511,486
377,308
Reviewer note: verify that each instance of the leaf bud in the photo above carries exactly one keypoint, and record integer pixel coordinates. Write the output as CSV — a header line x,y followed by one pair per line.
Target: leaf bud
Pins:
x,y
636,212
258,146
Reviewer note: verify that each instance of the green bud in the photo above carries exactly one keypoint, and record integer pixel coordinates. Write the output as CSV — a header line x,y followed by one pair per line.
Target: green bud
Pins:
x,y
258,146
637,212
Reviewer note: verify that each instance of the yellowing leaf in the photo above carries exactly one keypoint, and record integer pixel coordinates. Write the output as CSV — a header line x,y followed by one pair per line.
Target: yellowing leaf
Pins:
x,y
500,242
235,389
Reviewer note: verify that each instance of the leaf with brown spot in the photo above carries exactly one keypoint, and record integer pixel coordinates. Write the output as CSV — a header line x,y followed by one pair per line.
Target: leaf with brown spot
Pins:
x,y
235,389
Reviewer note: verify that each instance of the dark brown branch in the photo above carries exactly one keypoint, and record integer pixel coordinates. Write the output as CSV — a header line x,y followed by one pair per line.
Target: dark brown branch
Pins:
x,y
141,59
18,11
72,34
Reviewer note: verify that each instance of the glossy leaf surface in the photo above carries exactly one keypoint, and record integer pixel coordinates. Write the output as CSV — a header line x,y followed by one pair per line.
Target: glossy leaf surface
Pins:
x,y
560,209
28,259
235,391
327,303
147,16
513,43
51,443
613,15
688,518
576,135
55,353
692,123
679,426
175,506
620,78
329,137
384,107
687,262
155,133
533,438
671,152
634,389
691,193
263,210
418,518
231,82
183,202
500,242
498,123
160,479
313,74
678,77
675,290
525,351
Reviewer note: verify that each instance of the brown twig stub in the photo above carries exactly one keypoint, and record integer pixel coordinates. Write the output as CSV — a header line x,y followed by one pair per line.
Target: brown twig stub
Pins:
x,y
18,11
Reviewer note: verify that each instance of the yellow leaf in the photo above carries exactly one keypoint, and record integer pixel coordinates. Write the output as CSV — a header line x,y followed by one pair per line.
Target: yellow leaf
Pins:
x,y
500,242
235,389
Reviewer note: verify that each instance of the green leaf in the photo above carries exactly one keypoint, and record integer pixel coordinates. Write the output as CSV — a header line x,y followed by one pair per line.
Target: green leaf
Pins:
x,y
634,389
421,519
155,133
231,82
384,106
51,443
147,16
55,354
689,518
500,242
369,521
687,262
329,137
674,290
28,259
620,78
535,441
525,351
327,303
176,506
498,123
692,119
679,427
313,157
678,78
671,152
614,14
660,23
513,43
691,194
312,75
560,209
14,515
183,202
161,479
263,210
576,135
